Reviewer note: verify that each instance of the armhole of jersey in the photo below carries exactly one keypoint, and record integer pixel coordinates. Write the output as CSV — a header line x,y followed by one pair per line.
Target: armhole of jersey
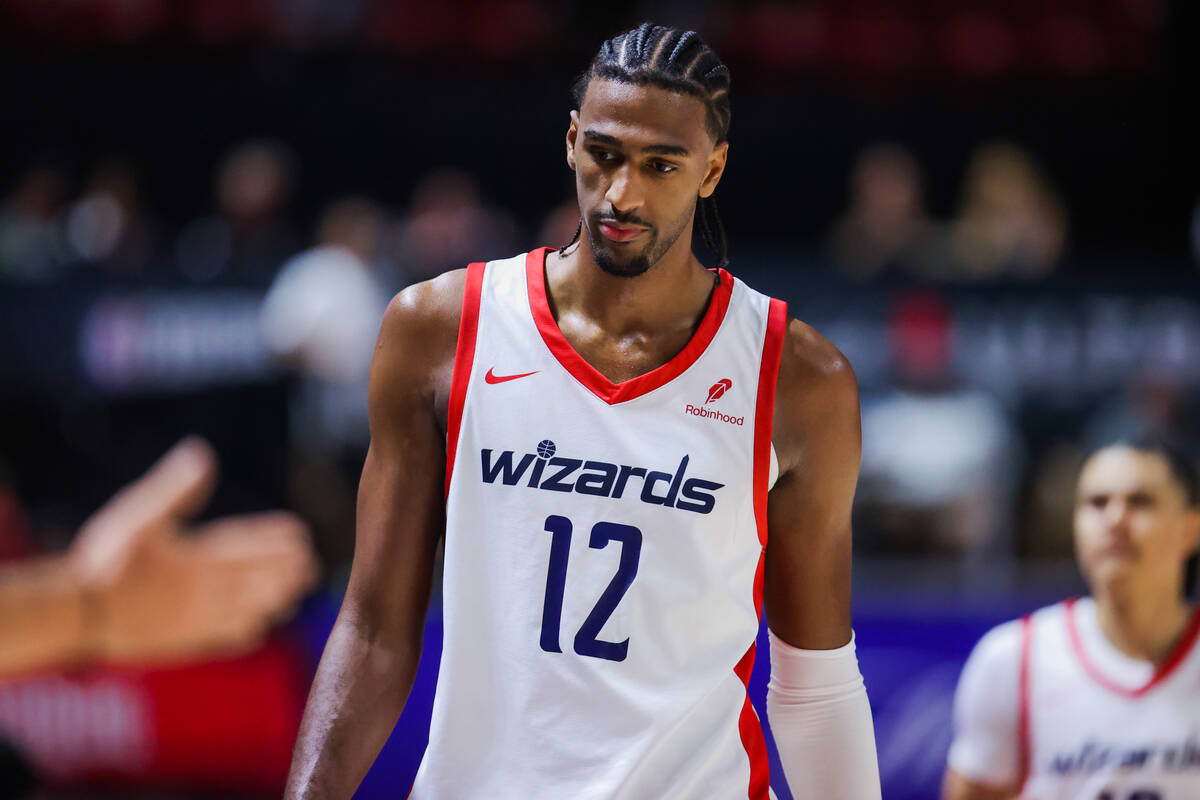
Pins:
x,y
764,411
464,358
1024,734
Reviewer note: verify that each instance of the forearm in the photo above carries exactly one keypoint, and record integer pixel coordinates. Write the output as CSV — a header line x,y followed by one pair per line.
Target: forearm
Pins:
x,y
357,695
44,619
821,720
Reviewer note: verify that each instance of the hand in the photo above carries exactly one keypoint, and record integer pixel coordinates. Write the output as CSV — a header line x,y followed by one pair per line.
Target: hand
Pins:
x,y
158,592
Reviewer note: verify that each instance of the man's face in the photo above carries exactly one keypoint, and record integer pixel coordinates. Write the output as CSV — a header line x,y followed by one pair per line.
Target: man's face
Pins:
x,y
642,156
1132,522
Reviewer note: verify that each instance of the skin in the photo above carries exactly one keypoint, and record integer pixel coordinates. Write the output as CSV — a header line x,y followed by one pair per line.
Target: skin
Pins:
x,y
642,156
1134,530
137,587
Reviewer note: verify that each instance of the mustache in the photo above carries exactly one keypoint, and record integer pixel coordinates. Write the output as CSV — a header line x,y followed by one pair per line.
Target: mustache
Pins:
x,y
622,219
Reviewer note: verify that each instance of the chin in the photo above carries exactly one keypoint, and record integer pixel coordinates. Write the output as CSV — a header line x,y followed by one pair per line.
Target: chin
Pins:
x,y
1110,571
621,266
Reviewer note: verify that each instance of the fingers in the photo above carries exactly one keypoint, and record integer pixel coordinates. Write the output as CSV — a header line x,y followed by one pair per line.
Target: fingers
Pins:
x,y
275,541
265,561
178,485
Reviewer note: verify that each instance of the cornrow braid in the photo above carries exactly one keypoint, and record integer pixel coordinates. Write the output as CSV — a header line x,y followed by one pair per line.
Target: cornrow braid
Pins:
x,y
678,61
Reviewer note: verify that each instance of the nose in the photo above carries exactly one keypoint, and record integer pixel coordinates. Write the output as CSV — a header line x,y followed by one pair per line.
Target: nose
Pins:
x,y
1116,514
625,192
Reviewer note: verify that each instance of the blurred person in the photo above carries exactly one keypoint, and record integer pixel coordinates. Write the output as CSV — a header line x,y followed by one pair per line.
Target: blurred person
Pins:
x,y
448,224
323,308
106,224
1011,222
566,671
939,467
250,236
135,586
1097,697
321,315
33,247
886,226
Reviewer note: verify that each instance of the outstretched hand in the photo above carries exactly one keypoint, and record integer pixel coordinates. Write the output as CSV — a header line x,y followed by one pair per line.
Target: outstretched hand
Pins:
x,y
156,590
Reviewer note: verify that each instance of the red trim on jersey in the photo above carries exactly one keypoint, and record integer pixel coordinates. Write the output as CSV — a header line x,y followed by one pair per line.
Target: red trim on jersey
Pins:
x,y
589,376
1024,731
764,414
749,728
1164,670
764,410
464,358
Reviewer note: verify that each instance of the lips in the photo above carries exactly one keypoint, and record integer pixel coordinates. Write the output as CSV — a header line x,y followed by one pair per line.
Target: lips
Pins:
x,y
620,233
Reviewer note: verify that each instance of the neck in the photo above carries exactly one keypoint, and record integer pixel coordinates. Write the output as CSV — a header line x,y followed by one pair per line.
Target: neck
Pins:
x,y
676,286
1143,622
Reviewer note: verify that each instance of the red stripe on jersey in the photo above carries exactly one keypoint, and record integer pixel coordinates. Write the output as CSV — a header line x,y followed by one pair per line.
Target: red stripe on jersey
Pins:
x,y
1024,734
464,358
764,414
589,376
1164,670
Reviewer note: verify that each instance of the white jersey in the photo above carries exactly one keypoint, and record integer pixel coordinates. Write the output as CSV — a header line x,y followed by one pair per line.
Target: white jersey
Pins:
x,y
1048,704
604,556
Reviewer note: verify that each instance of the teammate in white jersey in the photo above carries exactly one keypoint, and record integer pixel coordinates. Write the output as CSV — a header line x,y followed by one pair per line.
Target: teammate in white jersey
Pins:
x,y
1097,698
594,431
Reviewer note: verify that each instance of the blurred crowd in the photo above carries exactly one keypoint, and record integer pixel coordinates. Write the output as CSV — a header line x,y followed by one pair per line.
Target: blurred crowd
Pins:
x,y
949,467
1009,223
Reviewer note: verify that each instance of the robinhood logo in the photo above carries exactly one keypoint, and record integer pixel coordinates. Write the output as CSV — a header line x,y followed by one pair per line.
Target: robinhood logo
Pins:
x,y
715,392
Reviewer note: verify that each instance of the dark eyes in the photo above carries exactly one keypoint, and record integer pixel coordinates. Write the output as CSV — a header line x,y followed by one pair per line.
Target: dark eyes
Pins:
x,y
1135,500
607,157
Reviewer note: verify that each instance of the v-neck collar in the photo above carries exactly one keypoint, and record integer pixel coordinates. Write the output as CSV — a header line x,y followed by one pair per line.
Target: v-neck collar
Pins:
x,y
1177,656
589,376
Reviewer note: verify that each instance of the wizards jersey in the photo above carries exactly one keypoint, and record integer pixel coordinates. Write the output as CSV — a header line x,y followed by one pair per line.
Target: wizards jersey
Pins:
x,y
603,555
1088,722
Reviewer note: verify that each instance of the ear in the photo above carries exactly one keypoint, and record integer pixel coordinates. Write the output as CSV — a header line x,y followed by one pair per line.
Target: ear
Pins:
x,y
572,134
716,168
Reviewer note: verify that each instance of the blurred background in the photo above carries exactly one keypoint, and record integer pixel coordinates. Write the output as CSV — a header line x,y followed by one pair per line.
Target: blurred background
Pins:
x,y
205,205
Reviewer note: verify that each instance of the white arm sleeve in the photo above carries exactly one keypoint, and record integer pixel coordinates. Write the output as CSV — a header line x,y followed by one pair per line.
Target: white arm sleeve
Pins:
x,y
985,748
821,720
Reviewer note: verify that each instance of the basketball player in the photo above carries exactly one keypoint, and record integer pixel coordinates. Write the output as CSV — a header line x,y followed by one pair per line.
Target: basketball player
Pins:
x,y
611,417
1097,698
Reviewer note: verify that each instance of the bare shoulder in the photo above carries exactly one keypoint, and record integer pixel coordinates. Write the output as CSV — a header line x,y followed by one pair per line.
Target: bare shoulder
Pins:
x,y
816,393
414,353
430,307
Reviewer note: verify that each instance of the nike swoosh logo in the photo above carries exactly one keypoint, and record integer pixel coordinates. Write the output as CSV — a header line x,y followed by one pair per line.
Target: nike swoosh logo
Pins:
x,y
491,377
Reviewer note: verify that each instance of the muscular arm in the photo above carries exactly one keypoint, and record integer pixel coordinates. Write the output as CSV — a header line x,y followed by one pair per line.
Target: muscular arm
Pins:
x,y
818,441
372,654
816,701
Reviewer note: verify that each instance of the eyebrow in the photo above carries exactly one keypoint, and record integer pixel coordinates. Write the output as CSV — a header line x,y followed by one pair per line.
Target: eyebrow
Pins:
x,y
657,149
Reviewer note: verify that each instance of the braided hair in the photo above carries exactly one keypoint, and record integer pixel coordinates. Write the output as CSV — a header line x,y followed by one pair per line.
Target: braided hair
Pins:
x,y
678,61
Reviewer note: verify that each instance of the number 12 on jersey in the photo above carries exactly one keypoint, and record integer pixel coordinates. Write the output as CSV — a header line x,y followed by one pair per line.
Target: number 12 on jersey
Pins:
x,y
587,642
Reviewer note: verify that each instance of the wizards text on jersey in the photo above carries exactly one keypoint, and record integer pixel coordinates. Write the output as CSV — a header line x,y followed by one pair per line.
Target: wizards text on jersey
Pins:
x,y
544,470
